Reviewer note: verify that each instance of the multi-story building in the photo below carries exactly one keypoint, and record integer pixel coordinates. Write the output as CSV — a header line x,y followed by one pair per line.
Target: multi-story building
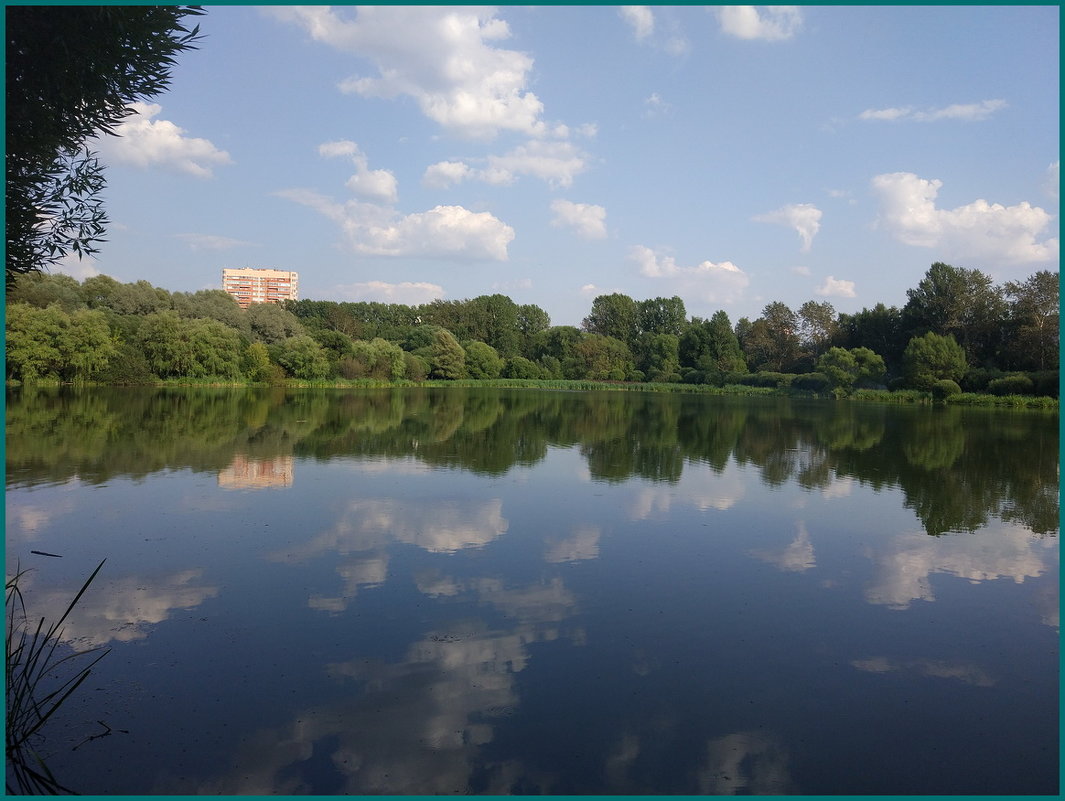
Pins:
x,y
260,285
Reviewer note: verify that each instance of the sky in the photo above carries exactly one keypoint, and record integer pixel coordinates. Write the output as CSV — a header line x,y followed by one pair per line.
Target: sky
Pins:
x,y
734,156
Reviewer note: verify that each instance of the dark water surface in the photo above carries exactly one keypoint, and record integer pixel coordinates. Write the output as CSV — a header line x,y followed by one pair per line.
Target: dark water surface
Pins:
x,y
426,591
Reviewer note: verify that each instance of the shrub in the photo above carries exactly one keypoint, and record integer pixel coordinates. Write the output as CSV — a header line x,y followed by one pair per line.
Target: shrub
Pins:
x,y
415,367
520,367
812,382
944,388
1011,385
1046,383
766,379
977,379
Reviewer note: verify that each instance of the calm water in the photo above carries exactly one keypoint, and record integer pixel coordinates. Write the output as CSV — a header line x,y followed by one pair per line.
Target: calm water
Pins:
x,y
430,591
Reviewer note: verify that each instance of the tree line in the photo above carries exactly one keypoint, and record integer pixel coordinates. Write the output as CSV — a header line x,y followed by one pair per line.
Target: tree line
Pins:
x,y
957,331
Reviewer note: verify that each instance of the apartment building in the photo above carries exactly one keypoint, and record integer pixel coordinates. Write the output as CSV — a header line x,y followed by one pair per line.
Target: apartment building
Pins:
x,y
260,285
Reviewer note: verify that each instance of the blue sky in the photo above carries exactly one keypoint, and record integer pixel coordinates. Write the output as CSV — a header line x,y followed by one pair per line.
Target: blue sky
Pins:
x,y
732,156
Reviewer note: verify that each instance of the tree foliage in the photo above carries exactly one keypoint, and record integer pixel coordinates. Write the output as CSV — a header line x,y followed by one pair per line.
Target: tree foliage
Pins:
x,y
72,73
931,358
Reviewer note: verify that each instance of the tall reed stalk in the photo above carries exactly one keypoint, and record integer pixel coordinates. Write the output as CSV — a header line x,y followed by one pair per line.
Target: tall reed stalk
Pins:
x,y
39,680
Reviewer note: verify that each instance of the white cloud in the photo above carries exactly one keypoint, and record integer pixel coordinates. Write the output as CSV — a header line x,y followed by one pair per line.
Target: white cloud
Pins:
x,y
198,242
376,185
1053,180
555,163
445,173
640,18
587,220
723,282
979,230
142,142
441,232
800,270
836,288
589,289
76,266
408,293
655,105
771,23
444,58
968,112
511,286
805,218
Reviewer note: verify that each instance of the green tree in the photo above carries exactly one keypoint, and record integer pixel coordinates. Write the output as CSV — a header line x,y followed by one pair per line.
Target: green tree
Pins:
x,y
961,303
44,289
817,327
613,316
880,329
782,337
72,73
531,321
847,368
1034,321
661,316
599,358
257,365
301,357
447,359
520,367
659,357
212,304
482,360
270,323
932,357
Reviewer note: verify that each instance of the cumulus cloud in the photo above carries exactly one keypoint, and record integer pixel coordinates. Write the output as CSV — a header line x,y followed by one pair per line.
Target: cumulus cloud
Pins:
x,y
407,292
836,288
555,163
144,142
442,232
1053,180
771,23
198,242
983,231
723,282
446,59
640,18
587,220
376,185
967,112
76,266
805,218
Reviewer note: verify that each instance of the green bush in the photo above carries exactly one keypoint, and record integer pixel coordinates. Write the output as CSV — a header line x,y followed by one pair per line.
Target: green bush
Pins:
x,y
1046,383
520,367
812,382
766,379
943,389
1011,385
977,379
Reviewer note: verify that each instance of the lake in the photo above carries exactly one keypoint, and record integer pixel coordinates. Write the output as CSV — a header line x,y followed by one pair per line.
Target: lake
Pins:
x,y
491,591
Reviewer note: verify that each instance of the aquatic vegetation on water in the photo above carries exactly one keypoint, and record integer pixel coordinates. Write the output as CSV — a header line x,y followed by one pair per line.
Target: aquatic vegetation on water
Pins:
x,y
40,678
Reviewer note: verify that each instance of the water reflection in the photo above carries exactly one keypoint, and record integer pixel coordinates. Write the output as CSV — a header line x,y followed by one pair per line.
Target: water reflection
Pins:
x,y
245,473
957,467
904,568
501,592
